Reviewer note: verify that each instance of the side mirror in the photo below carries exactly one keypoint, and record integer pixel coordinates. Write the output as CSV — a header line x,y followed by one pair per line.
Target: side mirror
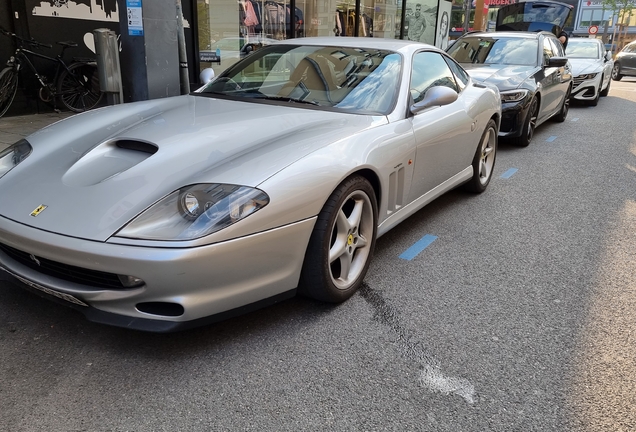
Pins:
x,y
206,75
435,96
608,56
558,62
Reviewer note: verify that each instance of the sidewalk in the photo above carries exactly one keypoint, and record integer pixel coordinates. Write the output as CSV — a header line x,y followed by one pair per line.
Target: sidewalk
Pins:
x,y
13,129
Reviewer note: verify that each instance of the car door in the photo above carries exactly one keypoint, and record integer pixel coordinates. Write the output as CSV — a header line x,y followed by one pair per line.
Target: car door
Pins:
x,y
550,82
442,133
628,60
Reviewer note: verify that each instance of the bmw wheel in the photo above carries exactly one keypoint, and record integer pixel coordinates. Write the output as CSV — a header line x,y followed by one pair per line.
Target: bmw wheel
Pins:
x,y
529,125
565,107
342,243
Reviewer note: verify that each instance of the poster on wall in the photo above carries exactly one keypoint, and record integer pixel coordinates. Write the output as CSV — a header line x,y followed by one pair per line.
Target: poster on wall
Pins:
x,y
71,20
443,24
421,17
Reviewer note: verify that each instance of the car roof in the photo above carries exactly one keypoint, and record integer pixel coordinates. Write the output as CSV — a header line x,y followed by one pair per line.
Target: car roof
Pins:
x,y
510,34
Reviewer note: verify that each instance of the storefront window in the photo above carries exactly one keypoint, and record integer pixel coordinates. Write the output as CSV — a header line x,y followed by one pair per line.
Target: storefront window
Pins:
x,y
232,29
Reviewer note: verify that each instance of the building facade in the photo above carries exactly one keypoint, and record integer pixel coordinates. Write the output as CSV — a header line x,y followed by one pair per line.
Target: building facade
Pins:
x,y
607,21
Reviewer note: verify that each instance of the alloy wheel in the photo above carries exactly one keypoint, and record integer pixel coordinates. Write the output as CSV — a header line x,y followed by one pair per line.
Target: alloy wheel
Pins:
x,y
350,245
487,159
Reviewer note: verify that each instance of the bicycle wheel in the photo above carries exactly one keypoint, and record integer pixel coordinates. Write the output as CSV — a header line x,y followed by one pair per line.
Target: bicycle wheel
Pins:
x,y
8,88
78,88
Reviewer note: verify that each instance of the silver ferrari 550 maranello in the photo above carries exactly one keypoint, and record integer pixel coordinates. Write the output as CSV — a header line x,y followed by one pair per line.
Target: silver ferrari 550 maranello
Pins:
x,y
275,177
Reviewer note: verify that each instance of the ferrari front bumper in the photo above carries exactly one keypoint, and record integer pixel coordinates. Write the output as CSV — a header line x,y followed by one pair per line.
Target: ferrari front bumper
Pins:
x,y
181,287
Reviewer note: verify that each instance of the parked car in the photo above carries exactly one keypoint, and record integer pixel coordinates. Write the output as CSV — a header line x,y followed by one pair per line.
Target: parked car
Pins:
x,y
625,62
531,72
278,174
527,64
591,69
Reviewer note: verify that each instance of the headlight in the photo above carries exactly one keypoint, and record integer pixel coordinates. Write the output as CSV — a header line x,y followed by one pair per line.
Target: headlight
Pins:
x,y
513,95
13,155
195,211
587,76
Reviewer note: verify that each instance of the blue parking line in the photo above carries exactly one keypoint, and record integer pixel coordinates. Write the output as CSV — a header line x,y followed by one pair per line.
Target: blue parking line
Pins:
x,y
575,119
550,139
509,173
418,247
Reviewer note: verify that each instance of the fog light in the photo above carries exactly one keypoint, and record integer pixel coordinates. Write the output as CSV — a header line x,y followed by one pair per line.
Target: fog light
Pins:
x,y
130,281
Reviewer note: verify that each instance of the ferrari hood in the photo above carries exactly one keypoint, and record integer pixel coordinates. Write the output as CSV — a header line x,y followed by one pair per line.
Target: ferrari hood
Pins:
x,y
96,171
504,77
585,66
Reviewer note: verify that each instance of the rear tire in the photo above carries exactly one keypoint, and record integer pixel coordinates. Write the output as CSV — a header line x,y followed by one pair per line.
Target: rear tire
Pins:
x,y
484,160
78,88
342,243
8,88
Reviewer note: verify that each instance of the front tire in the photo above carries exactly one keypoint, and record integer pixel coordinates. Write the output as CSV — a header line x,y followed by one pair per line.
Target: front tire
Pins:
x,y
78,88
529,125
565,108
607,89
484,160
8,88
616,72
594,101
342,243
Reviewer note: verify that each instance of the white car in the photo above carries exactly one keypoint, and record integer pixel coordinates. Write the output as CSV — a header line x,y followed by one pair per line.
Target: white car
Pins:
x,y
591,69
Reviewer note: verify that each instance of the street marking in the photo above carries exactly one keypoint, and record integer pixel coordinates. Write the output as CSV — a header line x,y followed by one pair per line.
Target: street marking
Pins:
x,y
575,119
550,139
509,173
418,247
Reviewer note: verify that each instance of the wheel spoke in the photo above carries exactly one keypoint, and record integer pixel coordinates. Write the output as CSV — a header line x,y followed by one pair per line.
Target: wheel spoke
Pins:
x,y
483,169
345,267
338,249
356,214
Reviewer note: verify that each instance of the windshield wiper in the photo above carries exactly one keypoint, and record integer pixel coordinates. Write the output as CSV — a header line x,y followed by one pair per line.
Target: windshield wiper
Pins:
x,y
286,99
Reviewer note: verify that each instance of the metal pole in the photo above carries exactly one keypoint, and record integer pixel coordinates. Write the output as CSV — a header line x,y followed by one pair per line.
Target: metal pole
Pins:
x,y
467,15
183,55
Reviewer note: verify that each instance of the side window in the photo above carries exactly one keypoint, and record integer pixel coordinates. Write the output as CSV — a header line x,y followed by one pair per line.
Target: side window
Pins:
x,y
461,77
430,70
547,51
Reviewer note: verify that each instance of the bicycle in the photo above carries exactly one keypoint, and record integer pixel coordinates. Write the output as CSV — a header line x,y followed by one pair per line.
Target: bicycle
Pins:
x,y
76,85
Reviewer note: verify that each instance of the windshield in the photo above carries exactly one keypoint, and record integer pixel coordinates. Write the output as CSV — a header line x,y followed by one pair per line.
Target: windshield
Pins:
x,y
583,49
488,50
362,81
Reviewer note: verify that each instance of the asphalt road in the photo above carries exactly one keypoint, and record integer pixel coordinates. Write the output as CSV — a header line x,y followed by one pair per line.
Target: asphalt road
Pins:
x,y
519,316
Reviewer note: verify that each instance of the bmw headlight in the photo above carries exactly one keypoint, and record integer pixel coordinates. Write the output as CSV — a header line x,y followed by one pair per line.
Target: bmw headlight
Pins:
x,y
13,155
513,95
587,76
195,211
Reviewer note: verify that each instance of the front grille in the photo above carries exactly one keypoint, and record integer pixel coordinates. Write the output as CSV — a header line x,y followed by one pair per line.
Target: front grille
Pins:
x,y
65,272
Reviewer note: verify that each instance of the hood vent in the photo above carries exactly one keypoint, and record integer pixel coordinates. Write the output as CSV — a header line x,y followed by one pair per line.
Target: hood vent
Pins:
x,y
137,146
108,160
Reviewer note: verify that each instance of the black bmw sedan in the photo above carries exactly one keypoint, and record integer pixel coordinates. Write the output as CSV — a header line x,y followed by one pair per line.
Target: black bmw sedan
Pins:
x,y
532,74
